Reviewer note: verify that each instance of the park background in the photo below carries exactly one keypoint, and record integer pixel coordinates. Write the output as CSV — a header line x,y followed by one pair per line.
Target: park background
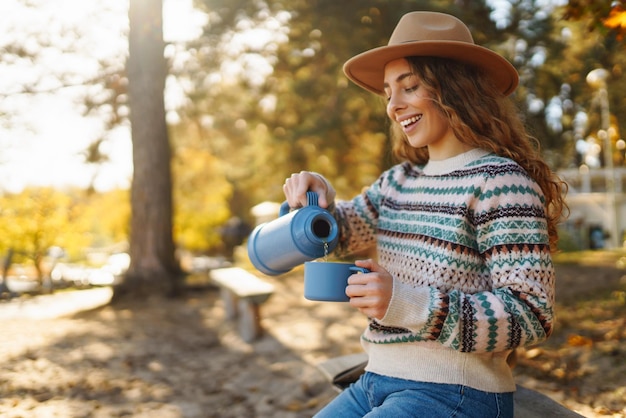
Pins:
x,y
115,140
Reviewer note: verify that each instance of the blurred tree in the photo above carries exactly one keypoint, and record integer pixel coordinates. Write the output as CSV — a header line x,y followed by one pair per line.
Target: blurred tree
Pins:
x,y
606,17
37,219
225,73
107,216
153,268
202,195
101,93
596,38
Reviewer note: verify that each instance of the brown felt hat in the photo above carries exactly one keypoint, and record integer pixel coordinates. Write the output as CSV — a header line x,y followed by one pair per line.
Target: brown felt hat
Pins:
x,y
429,34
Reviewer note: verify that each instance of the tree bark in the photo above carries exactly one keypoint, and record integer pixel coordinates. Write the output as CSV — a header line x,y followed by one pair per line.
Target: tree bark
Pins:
x,y
153,268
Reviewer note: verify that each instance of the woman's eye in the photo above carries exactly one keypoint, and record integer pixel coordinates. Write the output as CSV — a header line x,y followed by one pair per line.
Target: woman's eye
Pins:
x,y
411,89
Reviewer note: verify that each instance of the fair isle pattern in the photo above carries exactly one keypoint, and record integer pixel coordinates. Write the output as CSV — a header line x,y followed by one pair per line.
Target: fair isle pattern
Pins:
x,y
474,237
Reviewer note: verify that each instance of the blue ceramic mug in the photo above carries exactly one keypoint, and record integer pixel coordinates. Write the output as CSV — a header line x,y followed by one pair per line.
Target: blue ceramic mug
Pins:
x,y
327,281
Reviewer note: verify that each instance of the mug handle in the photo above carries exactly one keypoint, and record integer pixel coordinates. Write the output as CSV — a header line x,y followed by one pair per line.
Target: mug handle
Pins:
x,y
359,269
311,200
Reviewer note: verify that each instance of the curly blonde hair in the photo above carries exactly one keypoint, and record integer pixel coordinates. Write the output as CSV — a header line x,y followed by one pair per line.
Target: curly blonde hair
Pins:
x,y
481,116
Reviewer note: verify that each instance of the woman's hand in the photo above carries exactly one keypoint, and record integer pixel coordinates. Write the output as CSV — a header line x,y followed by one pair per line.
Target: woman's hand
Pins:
x,y
298,184
370,292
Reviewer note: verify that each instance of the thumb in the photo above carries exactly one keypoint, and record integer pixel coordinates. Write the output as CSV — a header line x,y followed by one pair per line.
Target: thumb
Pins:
x,y
369,264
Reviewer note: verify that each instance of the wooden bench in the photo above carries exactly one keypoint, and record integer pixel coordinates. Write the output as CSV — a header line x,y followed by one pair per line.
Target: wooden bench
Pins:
x,y
242,294
528,403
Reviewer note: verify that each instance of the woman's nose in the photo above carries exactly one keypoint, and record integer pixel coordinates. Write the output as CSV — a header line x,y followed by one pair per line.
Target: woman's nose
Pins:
x,y
394,104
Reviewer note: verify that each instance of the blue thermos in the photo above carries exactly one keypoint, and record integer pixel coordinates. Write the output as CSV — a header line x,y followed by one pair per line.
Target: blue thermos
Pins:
x,y
293,238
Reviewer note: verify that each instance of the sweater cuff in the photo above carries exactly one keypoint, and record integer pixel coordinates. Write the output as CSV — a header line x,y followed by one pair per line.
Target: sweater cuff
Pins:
x,y
408,308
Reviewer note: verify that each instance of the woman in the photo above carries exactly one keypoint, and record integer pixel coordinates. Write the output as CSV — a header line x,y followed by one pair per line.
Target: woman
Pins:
x,y
464,226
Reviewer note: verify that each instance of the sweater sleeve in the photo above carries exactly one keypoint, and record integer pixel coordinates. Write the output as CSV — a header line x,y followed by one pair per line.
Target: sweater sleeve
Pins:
x,y
358,219
497,320
517,310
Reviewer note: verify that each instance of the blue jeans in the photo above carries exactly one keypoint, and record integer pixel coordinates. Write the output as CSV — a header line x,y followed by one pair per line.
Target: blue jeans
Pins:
x,y
374,395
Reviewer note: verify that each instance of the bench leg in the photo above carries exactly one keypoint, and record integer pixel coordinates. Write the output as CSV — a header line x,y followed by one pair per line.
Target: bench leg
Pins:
x,y
249,320
230,303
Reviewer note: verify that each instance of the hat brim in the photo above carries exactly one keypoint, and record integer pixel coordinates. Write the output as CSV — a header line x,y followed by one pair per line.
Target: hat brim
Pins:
x,y
367,69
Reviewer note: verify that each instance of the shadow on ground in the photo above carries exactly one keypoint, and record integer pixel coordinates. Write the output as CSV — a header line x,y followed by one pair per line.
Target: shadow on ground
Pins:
x,y
179,358
157,358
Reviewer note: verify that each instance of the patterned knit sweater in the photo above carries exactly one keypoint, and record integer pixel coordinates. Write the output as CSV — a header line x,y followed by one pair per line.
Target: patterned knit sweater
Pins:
x,y
466,242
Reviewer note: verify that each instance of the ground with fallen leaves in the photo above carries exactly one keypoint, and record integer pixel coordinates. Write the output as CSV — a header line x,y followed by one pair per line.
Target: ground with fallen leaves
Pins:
x,y
179,358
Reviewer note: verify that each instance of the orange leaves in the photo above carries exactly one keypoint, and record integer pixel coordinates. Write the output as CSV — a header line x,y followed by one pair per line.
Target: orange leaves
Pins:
x,y
617,21
575,340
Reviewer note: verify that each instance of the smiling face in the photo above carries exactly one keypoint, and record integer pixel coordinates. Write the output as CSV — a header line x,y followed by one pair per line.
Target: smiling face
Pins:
x,y
410,105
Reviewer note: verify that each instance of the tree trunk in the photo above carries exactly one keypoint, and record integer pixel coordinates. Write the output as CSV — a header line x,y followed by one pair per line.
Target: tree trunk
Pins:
x,y
153,268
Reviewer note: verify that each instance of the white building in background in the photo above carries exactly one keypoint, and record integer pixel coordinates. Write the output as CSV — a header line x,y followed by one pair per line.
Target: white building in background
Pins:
x,y
597,204
265,212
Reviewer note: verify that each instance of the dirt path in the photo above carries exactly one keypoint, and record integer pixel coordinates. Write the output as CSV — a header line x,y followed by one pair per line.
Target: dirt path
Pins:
x,y
177,358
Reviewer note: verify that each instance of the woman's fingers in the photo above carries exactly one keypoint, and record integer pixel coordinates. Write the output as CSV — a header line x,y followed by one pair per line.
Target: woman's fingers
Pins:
x,y
296,187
